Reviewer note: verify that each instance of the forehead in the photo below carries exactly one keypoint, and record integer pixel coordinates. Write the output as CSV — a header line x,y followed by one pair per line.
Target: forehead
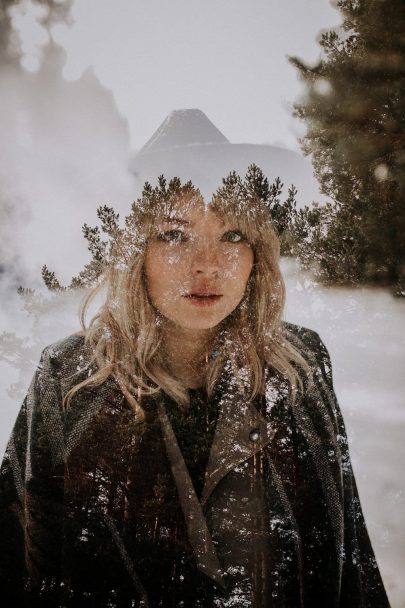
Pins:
x,y
194,213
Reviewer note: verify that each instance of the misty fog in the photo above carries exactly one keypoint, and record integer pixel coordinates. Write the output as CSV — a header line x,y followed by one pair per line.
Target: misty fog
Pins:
x,y
66,149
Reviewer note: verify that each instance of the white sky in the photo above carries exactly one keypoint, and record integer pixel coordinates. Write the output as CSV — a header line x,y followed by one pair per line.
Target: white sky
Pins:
x,y
226,57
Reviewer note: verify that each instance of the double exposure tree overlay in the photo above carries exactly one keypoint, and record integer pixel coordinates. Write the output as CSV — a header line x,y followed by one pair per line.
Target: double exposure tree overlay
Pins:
x,y
354,112
21,353
255,184
101,238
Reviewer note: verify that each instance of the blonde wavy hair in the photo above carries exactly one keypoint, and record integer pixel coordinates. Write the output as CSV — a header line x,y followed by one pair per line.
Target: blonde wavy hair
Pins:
x,y
125,336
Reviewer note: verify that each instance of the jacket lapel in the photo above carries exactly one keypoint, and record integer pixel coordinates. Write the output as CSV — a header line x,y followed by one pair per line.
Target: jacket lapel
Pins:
x,y
241,432
198,533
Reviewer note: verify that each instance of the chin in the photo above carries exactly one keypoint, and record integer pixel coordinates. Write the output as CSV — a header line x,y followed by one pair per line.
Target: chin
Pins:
x,y
199,325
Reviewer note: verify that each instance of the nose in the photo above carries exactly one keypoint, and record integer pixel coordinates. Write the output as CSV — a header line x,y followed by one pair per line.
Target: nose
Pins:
x,y
205,259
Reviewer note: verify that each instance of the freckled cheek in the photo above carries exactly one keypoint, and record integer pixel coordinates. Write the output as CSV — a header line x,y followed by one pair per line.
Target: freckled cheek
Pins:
x,y
165,276
174,268
238,265
172,260
168,263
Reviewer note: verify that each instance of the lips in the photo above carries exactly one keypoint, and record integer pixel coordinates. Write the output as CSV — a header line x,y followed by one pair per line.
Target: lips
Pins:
x,y
203,294
203,297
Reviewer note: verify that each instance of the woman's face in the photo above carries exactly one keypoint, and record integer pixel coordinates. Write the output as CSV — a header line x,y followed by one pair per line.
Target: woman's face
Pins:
x,y
197,267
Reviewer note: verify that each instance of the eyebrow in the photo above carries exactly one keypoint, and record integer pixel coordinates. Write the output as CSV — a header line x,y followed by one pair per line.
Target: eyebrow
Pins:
x,y
180,220
176,220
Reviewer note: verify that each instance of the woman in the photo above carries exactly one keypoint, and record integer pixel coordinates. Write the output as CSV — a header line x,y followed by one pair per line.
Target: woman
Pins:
x,y
185,449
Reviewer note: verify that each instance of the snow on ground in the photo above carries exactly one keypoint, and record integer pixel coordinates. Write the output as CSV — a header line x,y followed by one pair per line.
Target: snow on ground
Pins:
x,y
363,331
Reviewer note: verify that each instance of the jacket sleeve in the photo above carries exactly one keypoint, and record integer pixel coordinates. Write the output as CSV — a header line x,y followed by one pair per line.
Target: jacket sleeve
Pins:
x,y
31,489
361,583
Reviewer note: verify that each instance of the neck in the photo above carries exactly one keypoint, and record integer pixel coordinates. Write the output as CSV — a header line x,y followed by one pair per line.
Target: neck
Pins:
x,y
188,351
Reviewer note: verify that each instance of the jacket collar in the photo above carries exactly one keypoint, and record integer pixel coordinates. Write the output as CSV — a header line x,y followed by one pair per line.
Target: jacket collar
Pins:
x,y
241,431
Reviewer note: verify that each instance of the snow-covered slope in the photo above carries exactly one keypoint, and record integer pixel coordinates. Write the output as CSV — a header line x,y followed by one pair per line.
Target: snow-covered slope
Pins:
x,y
189,146
183,127
362,330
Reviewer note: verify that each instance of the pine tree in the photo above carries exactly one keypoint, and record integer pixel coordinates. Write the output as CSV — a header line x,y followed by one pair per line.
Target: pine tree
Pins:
x,y
354,110
109,244
256,185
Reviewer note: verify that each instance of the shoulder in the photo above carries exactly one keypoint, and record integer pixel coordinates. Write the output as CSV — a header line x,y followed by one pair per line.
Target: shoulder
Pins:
x,y
300,335
312,348
307,342
65,345
67,350
67,359
318,413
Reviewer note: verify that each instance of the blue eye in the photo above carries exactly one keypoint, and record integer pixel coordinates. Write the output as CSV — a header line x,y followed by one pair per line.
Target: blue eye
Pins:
x,y
172,236
233,236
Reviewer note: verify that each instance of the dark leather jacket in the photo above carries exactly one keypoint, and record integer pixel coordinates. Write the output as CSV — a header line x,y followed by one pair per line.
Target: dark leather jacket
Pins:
x,y
98,511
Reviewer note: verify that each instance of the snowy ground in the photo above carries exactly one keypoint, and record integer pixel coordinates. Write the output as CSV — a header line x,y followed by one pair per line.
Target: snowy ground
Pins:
x,y
363,330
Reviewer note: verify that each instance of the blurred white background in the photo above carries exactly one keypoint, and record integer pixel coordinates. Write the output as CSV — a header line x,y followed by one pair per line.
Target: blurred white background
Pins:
x,y
88,95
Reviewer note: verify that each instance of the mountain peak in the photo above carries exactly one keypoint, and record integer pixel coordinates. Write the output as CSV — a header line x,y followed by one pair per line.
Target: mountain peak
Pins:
x,y
183,128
